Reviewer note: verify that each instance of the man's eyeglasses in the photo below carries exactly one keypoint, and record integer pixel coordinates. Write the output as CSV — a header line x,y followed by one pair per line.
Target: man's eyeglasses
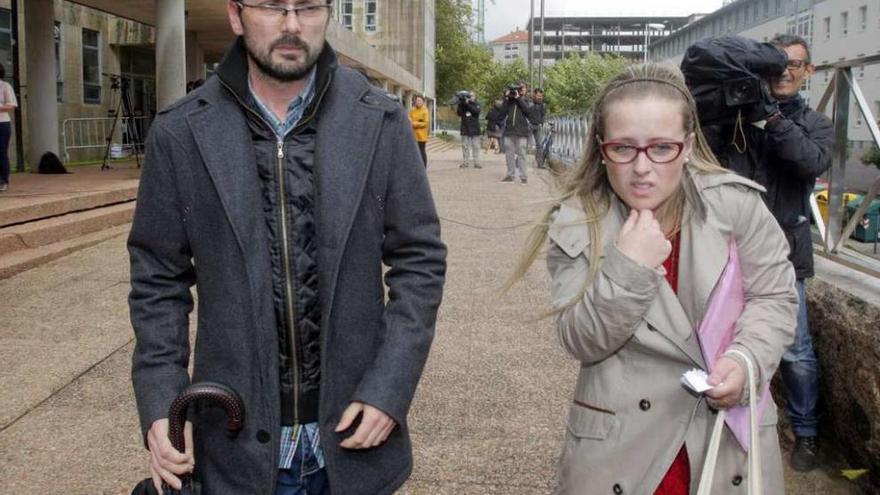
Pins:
x,y
796,64
623,153
307,13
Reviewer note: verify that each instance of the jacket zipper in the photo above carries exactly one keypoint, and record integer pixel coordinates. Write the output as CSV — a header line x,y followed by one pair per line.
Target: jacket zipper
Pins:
x,y
288,288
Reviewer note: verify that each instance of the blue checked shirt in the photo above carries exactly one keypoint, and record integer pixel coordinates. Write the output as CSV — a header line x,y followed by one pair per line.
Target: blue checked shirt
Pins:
x,y
291,435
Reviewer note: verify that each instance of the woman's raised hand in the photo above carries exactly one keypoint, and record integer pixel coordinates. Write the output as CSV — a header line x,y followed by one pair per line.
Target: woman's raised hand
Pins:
x,y
642,240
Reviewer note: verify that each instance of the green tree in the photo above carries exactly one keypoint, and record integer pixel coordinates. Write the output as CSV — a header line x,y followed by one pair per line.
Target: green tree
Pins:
x,y
872,157
573,83
497,77
461,63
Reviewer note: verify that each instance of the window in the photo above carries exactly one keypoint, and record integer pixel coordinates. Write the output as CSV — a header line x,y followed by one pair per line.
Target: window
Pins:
x,y
91,66
804,21
756,12
778,6
6,42
826,27
863,17
844,24
766,8
370,18
59,67
347,13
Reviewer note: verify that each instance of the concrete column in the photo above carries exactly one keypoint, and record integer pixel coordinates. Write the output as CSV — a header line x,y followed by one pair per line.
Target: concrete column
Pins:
x,y
170,51
42,93
195,58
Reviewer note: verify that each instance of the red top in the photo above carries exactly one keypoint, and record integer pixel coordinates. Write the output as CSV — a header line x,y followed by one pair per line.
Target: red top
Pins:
x,y
677,480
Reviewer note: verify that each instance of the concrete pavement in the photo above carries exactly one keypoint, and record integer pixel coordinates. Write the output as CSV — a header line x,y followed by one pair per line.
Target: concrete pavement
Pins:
x,y
488,415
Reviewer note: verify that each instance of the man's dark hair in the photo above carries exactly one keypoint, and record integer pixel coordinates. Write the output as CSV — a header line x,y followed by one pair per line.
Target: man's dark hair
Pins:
x,y
787,40
538,90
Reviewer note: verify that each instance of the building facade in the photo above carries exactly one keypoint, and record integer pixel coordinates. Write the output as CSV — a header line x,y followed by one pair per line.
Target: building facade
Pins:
x,y
837,30
510,47
93,45
623,36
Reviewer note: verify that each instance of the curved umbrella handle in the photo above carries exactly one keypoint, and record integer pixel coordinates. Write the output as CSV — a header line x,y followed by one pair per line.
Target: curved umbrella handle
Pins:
x,y
205,391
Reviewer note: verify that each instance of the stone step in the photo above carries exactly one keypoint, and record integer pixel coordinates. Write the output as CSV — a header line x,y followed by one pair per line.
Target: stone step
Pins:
x,y
26,259
38,207
41,233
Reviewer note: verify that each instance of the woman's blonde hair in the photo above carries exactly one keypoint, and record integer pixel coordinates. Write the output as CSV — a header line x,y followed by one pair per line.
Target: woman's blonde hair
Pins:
x,y
589,180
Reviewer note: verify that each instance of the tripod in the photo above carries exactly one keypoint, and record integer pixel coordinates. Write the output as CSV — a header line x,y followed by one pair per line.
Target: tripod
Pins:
x,y
123,109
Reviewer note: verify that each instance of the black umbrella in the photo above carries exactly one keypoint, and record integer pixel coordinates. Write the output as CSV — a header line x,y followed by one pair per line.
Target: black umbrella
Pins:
x,y
205,391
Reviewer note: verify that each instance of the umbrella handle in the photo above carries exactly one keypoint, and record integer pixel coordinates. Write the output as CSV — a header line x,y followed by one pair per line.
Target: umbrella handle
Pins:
x,y
204,391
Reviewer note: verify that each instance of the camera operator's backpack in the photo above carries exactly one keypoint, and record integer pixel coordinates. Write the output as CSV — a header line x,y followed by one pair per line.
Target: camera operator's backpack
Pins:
x,y
726,76
51,164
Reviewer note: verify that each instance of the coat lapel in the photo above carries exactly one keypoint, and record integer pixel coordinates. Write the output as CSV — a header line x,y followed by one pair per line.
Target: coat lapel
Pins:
x,y
219,131
348,131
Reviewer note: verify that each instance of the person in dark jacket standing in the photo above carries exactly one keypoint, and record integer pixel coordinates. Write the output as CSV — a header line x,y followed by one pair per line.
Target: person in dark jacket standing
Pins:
x,y
279,189
786,156
469,111
495,126
539,112
516,110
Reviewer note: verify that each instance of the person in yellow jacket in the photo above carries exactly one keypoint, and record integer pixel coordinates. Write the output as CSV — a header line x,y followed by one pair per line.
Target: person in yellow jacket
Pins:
x,y
421,122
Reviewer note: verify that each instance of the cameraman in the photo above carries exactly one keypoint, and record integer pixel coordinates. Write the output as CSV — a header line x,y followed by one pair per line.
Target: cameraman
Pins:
x,y
785,155
469,111
539,111
517,112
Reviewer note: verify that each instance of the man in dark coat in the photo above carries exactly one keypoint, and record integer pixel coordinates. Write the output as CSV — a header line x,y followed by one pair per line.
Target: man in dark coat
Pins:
x,y
517,111
279,189
785,153
538,114
469,112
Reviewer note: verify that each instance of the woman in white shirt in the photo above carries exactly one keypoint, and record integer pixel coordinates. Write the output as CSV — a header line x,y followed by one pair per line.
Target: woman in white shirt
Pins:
x,y
8,104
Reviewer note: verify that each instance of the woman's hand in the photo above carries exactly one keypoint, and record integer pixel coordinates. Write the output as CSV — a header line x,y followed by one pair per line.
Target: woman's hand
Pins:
x,y
728,379
642,240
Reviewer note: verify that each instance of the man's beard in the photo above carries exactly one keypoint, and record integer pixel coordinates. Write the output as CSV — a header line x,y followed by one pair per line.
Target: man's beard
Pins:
x,y
281,71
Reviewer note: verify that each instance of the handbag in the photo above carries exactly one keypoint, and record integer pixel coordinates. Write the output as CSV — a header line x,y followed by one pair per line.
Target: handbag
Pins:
x,y
755,486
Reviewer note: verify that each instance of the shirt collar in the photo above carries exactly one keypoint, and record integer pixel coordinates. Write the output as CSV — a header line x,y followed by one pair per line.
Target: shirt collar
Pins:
x,y
295,109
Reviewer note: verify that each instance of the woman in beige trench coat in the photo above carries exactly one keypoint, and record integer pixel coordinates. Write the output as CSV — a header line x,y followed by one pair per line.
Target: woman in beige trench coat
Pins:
x,y
638,241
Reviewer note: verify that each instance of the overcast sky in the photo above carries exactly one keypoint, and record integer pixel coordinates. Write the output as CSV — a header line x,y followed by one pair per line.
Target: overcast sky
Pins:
x,y
504,16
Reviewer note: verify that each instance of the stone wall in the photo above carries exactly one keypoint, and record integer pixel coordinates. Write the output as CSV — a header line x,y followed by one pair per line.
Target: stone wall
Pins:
x,y
844,312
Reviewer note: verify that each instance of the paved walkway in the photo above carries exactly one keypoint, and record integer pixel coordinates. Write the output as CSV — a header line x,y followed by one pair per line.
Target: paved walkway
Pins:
x,y
487,419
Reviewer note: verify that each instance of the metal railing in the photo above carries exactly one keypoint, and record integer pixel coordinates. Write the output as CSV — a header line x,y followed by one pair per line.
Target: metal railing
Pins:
x,y
843,84
569,137
81,134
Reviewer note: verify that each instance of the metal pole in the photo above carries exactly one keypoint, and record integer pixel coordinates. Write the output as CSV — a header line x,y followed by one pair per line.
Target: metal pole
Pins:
x,y
836,185
532,44
645,59
16,86
541,61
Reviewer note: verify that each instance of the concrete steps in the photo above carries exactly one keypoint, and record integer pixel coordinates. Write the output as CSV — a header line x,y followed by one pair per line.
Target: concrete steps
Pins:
x,y
42,232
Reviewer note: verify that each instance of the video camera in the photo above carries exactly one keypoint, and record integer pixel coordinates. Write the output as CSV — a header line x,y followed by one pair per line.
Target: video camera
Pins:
x,y
727,76
512,92
463,95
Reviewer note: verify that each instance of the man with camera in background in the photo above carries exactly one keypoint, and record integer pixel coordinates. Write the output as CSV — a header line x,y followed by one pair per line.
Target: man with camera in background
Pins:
x,y
539,111
517,112
775,139
469,111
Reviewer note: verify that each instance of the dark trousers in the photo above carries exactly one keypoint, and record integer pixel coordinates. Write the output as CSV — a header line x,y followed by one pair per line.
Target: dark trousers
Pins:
x,y
423,152
5,134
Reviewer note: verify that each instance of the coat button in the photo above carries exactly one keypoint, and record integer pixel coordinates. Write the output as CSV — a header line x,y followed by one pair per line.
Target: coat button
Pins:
x,y
644,404
737,480
617,489
263,436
